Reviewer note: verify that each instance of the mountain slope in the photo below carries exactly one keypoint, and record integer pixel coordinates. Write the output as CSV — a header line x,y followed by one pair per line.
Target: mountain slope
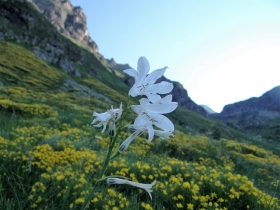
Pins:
x,y
22,24
51,155
95,84
71,21
257,115
269,101
208,109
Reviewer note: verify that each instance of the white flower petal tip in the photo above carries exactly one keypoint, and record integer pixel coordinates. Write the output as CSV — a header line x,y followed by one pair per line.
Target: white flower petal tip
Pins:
x,y
160,133
102,118
126,143
147,187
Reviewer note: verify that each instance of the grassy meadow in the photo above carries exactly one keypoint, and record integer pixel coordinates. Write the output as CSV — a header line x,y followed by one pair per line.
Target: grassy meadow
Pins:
x,y
50,154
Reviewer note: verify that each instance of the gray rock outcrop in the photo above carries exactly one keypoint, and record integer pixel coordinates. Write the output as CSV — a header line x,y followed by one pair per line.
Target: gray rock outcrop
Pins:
x,y
82,90
69,20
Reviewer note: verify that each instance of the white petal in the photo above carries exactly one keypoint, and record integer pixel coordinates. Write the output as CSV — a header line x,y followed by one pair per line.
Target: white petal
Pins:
x,y
166,99
137,109
144,101
161,88
138,128
153,97
163,134
143,67
147,187
94,120
165,124
127,142
99,124
153,76
131,72
151,132
133,91
104,128
103,116
161,108
139,121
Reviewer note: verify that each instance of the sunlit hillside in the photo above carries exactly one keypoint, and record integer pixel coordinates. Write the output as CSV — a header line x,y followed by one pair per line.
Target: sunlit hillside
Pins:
x,y
51,154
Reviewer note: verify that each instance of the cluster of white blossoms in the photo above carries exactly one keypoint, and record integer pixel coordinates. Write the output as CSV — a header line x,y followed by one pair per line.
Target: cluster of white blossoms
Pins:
x,y
149,112
111,117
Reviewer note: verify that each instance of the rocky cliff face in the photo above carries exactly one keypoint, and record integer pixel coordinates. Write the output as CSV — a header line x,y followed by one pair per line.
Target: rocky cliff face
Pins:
x,y
72,22
69,20
22,23
179,94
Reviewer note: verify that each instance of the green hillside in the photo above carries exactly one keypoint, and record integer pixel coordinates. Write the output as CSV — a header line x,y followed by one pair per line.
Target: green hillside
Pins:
x,y
51,155
49,150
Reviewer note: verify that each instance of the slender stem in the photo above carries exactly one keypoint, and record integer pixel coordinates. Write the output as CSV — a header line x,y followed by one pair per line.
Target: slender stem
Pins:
x,y
110,149
107,160
112,143
89,196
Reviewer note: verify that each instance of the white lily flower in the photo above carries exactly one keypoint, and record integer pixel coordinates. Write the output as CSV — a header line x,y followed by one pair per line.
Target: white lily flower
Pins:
x,y
147,119
103,118
115,113
112,115
147,187
144,84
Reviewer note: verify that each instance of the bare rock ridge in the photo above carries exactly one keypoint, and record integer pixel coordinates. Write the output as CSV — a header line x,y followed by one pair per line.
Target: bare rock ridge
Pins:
x,y
69,20
72,23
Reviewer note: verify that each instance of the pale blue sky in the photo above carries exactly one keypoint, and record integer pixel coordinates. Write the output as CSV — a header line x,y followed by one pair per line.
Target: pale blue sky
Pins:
x,y
221,51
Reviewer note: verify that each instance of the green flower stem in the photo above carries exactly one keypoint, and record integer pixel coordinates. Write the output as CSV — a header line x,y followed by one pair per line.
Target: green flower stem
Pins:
x,y
109,153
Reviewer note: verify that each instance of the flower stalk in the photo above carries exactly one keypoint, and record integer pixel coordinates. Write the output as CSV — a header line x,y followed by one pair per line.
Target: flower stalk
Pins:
x,y
113,139
149,115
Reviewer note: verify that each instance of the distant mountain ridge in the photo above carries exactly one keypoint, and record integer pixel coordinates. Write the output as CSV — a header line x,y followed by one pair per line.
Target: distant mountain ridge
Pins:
x,y
269,101
257,115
